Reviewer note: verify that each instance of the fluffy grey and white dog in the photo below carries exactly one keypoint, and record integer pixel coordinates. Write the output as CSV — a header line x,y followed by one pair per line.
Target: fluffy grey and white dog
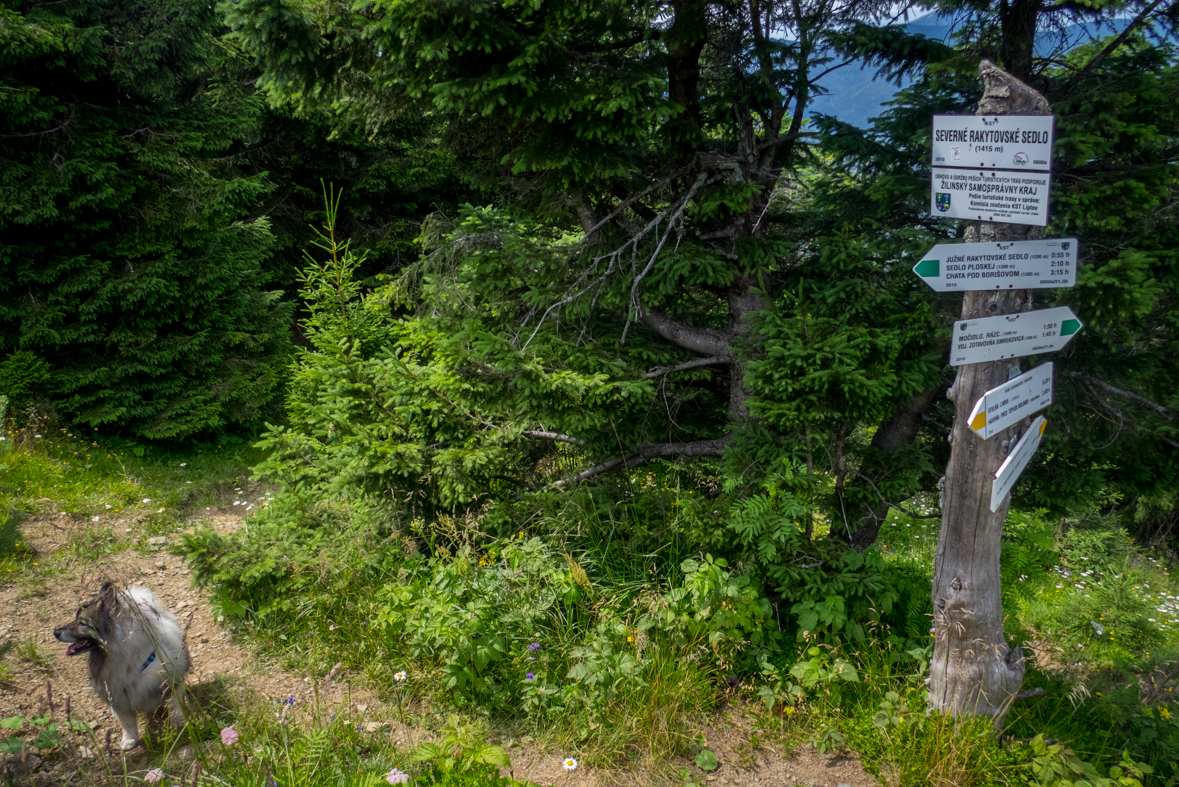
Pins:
x,y
137,654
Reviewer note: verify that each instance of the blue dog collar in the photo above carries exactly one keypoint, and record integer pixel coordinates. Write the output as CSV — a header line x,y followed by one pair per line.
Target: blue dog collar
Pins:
x,y
150,659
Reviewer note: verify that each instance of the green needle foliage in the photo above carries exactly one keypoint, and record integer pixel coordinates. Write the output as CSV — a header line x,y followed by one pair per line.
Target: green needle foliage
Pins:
x,y
130,268
432,404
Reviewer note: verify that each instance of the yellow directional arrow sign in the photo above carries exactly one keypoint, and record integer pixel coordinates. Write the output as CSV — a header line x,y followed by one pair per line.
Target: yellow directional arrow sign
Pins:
x,y
1016,462
1011,402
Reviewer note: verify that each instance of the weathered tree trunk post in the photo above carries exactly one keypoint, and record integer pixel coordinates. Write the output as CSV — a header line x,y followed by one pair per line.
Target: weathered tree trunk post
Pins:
x,y
973,670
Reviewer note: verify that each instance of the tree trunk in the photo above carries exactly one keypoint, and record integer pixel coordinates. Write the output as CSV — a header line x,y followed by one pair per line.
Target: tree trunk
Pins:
x,y
685,41
1017,31
745,298
973,670
894,435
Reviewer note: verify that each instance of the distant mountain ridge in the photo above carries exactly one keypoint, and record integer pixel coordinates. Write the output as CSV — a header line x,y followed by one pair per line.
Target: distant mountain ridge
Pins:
x,y
856,96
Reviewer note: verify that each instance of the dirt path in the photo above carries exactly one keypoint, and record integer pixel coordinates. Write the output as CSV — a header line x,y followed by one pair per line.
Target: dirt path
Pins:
x,y
31,609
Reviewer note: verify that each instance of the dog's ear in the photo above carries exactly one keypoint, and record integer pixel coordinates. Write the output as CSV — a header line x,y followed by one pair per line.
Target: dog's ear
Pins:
x,y
108,598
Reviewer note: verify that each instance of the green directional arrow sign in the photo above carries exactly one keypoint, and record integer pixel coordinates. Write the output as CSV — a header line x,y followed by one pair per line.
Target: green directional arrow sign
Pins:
x,y
1012,335
929,269
1011,265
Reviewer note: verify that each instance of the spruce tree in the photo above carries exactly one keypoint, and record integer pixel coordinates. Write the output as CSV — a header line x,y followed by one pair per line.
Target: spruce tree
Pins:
x,y
754,265
130,262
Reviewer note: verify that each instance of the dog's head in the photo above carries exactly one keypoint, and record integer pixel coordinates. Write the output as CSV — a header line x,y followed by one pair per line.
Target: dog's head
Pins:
x,y
93,623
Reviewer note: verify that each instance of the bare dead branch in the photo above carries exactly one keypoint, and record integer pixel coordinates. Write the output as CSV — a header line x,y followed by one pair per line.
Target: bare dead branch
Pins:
x,y
645,454
635,306
613,257
1122,417
1109,49
701,340
596,470
560,438
1093,381
626,203
576,289
660,371
904,511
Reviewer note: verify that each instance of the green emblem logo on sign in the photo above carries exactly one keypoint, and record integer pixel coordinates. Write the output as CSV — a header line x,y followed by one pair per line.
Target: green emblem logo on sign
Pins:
x,y
943,201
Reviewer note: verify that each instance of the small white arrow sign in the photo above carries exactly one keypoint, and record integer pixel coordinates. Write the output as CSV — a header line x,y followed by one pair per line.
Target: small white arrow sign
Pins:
x,y
1014,265
1012,401
1016,462
1012,335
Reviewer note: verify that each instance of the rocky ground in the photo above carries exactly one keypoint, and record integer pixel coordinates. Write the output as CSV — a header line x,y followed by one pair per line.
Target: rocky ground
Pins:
x,y
225,670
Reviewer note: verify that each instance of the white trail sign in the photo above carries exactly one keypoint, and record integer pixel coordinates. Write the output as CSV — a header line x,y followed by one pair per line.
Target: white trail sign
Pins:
x,y
1012,335
1011,402
1016,462
1010,265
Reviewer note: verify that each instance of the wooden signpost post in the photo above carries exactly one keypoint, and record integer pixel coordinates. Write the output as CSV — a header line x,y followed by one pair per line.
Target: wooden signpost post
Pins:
x,y
1000,176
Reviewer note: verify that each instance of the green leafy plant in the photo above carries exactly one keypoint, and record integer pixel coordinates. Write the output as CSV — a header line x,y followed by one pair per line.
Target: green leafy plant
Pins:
x,y
828,738
46,733
824,671
893,712
706,760
462,748
469,614
1056,765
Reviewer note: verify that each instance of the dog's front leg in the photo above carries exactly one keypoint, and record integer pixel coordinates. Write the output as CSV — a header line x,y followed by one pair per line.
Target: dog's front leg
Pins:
x,y
130,727
176,708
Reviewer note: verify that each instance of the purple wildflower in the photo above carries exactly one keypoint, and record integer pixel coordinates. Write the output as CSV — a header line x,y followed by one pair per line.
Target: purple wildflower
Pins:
x,y
530,676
